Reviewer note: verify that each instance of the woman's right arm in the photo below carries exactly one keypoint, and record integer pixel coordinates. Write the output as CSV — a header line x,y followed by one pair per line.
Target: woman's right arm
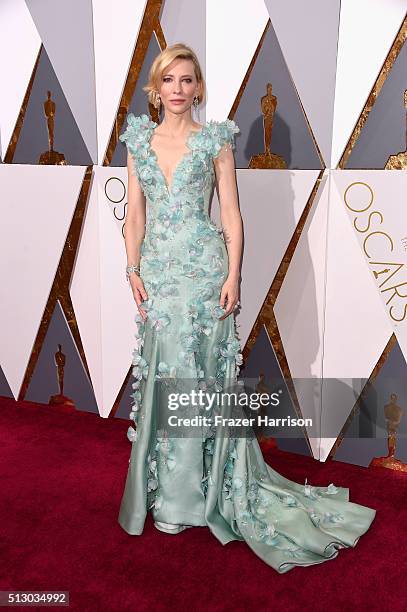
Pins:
x,y
134,231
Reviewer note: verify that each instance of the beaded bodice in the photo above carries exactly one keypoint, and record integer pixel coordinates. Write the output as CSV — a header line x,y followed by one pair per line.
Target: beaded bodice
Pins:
x,y
184,204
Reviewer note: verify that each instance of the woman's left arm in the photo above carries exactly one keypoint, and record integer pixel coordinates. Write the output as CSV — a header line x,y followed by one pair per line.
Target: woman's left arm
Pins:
x,y
232,225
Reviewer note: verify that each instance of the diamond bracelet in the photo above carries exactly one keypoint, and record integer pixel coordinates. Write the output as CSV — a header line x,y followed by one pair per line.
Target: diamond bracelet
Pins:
x,y
130,269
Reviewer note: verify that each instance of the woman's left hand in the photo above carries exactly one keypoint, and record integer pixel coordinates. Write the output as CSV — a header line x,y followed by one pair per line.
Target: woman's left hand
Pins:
x,y
229,294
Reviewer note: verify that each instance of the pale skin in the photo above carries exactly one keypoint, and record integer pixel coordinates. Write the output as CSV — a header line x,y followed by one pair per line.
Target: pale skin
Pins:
x,y
179,82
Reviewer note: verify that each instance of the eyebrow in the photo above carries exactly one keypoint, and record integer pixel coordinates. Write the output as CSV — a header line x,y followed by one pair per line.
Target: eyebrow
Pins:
x,y
184,75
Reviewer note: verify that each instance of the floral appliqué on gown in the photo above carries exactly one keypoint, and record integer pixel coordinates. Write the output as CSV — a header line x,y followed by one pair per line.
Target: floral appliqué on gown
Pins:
x,y
217,481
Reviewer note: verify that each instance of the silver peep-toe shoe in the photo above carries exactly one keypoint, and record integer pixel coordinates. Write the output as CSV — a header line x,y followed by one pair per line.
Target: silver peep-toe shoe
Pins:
x,y
169,527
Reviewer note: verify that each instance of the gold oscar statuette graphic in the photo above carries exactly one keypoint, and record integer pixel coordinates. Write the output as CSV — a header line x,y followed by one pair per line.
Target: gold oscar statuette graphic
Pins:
x,y
261,386
51,157
268,159
393,414
399,161
60,398
266,443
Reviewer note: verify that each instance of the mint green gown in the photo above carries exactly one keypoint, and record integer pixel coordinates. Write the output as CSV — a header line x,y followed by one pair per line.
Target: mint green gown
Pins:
x,y
212,480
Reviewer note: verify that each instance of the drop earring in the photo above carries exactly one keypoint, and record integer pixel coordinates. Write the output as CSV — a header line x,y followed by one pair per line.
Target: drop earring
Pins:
x,y
157,100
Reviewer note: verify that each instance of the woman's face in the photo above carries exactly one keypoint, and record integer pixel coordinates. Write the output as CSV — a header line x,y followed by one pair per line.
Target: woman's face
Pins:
x,y
178,86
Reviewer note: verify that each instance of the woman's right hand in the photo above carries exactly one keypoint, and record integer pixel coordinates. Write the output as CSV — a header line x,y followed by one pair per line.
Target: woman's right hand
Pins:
x,y
139,292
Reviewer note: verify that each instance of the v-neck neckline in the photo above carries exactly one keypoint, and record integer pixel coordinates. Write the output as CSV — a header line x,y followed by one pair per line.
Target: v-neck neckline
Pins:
x,y
191,134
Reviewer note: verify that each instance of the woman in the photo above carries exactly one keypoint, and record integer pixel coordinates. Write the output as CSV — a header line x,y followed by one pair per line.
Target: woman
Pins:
x,y
185,282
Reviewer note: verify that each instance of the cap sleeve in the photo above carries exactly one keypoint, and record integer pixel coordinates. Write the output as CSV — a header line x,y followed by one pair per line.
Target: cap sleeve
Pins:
x,y
223,135
138,130
137,134
130,130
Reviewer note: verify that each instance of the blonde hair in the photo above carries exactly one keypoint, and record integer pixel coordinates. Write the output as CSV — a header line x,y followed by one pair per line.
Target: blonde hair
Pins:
x,y
164,59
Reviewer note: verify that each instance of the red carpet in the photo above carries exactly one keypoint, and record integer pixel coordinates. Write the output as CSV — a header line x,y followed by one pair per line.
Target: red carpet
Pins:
x,y
62,479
